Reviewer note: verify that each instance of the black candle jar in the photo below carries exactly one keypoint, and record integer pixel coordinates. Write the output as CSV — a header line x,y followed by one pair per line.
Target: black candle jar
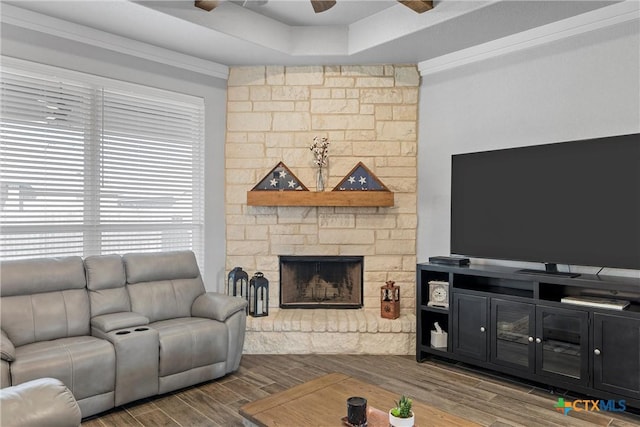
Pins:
x,y
357,411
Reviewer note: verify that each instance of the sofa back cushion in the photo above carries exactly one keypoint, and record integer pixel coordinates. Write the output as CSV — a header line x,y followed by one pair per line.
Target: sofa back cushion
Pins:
x,y
106,280
163,285
43,299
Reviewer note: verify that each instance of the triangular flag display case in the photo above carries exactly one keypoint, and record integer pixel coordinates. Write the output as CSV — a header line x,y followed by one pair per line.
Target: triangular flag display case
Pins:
x,y
360,179
278,188
280,178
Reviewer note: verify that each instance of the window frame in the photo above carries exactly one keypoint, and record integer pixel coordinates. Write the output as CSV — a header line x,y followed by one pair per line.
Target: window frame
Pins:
x,y
92,244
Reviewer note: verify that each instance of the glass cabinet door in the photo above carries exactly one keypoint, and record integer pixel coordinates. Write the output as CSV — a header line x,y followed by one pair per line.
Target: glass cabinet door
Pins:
x,y
562,343
513,326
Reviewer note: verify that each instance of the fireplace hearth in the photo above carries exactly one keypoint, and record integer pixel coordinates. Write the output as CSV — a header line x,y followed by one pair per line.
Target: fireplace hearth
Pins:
x,y
321,281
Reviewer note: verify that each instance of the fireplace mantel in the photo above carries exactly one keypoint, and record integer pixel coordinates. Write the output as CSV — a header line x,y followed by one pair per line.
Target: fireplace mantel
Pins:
x,y
320,198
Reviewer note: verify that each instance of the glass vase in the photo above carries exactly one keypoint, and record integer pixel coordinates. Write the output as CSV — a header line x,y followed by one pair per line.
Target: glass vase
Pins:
x,y
320,180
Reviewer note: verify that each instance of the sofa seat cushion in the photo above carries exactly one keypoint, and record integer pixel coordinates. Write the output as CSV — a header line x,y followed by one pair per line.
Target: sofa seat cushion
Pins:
x,y
85,364
190,342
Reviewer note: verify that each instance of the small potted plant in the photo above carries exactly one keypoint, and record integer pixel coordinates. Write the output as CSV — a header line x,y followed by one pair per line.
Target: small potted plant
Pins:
x,y
402,415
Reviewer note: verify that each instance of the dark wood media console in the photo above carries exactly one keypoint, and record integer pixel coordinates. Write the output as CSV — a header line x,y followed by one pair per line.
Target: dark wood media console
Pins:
x,y
516,324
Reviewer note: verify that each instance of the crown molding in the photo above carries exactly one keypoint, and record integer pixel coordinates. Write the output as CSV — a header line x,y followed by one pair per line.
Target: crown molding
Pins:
x,y
26,67
600,18
68,30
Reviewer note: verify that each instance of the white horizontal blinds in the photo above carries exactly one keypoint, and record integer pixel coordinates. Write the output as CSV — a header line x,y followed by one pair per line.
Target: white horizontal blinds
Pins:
x,y
151,173
87,169
44,126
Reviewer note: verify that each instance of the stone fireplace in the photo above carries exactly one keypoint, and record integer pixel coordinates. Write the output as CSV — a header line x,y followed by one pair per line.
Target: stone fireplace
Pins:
x,y
320,282
369,115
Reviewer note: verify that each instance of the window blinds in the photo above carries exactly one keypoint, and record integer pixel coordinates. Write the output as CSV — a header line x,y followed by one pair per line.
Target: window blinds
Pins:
x,y
151,175
88,169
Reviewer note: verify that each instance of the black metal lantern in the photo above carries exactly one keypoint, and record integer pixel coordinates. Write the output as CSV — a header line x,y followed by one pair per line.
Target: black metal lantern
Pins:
x,y
258,295
238,283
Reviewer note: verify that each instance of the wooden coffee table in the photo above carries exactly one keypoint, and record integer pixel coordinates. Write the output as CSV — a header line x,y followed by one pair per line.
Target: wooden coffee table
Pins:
x,y
323,402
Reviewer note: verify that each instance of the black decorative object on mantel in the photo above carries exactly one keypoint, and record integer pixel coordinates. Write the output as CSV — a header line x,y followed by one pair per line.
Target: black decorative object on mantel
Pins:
x,y
258,295
238,284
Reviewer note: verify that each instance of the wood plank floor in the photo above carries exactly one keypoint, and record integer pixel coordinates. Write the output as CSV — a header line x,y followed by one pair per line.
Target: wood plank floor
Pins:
x,y
478,396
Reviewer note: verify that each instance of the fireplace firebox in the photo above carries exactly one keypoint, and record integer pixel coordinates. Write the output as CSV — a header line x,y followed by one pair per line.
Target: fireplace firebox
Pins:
x,y
321,281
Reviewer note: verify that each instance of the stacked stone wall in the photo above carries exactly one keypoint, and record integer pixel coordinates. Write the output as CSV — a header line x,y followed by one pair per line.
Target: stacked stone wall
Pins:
x,y
369,114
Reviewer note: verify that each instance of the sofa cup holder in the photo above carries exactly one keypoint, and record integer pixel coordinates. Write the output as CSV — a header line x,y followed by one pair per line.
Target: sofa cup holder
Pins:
x,y
128,331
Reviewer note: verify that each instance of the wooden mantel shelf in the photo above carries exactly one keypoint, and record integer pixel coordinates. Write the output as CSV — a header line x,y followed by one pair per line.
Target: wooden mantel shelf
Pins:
x,y
320,198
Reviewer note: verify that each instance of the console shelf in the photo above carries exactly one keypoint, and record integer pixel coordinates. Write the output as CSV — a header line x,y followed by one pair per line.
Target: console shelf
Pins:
x,y
320,198
517,324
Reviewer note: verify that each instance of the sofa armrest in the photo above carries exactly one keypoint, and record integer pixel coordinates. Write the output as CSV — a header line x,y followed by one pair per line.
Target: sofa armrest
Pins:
x,y
41,402
7,350
217,306
113,321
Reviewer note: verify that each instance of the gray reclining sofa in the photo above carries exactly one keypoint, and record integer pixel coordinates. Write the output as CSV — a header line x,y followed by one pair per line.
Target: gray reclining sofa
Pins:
x,y
115,329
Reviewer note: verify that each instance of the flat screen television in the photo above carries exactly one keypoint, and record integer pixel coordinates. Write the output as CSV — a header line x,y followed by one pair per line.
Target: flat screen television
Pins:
x,y
575,203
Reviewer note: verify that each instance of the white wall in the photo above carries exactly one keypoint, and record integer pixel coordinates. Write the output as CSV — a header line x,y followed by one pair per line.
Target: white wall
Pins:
x,y
580,87
46,49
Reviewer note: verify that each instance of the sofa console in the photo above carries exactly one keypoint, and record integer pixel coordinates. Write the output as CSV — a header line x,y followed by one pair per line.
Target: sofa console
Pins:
x,y
580,334
115,329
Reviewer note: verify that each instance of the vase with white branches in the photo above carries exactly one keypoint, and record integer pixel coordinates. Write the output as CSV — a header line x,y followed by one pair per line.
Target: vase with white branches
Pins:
x,y
320,150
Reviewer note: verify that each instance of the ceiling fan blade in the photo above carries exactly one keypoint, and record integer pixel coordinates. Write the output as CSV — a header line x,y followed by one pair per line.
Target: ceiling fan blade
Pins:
x,y
322,5
207,5
419,6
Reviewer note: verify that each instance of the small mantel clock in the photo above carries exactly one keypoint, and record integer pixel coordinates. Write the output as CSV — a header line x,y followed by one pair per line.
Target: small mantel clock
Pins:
x,y
438,294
